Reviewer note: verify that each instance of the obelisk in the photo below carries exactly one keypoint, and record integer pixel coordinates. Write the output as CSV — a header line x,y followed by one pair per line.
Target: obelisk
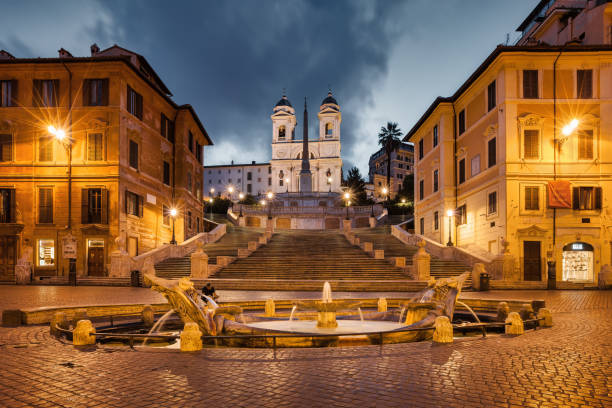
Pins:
x,y
305,174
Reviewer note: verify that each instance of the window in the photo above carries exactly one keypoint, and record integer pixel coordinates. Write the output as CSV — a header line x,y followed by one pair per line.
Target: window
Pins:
x,y
421,189
435,180
95,92
7,205
190,141
436,221
6,148
492,207
133,154
94,206
167,128
400,176
249,176
45,205
585,144
461,215
461,171
422,226
587,198
329,130
189,181
475,165
435,136
491,97
530,84
421,149
462,121
492,152
400,166
188,219
8,93
46,252
584,83
165,215
532,198
45,149
133,204
270,168
249,189
280,182
134,102
269,181
198,153
94,146
531,144
45,92
281,133
166,177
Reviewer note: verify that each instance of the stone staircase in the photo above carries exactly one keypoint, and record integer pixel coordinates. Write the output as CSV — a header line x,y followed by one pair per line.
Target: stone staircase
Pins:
x,y
382,239
307,255
235,237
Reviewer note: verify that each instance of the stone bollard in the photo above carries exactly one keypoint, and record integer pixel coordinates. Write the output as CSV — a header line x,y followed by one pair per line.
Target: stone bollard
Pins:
x,y
421,262
372,221
82,334
148,317
368,246
252,245
58,320
356,241
526,312
262,240
243,252
270,308
502,311
382,304
547,316
379,254
516,324
191,337
199,265
400,261
79,314
443,330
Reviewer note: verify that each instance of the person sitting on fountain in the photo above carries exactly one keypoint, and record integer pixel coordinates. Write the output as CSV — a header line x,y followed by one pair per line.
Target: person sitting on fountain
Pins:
x,y
209,291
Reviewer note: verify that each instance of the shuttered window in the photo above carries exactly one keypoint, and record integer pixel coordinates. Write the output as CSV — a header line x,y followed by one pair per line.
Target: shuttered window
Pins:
x,y
532,198
421,189
134,103
435,180
421,149
531,144
8,93
95,92
190,141
6,148
492,152
585,144
133,203
7,205
530,84
133,154
422,226
198,152
45,205
461,215
491,96
492,203
584,83
167,128
94,206
435,136
436,221
461,121
166,173
461,171
587,198
45,92
45,149
94,146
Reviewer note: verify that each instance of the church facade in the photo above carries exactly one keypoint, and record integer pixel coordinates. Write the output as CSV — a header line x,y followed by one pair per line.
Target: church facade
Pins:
x,y
324,152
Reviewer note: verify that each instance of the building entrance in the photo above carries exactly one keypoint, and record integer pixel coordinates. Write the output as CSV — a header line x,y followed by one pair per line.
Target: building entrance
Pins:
x,y
8,255
95,257
578,262
532,261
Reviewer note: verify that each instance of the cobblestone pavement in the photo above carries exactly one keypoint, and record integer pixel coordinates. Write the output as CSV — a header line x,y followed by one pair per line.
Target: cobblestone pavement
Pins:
x,y
568,365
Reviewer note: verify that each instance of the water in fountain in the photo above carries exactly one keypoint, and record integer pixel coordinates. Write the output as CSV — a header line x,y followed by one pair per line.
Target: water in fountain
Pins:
x,y
292,312
158,324
470,310
360,314
327,296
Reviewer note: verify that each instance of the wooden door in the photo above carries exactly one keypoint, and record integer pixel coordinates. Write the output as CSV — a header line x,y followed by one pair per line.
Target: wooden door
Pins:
x,y
532,261
95,261
8,255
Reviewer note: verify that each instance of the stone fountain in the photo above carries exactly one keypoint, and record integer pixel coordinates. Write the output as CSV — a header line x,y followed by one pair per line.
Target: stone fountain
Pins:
x,y
326,307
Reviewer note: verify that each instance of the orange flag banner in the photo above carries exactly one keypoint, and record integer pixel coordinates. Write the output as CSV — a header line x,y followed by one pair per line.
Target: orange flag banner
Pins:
x,y
559,194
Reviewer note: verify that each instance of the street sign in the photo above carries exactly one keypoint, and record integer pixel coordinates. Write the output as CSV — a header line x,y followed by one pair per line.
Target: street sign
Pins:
x,y
69,247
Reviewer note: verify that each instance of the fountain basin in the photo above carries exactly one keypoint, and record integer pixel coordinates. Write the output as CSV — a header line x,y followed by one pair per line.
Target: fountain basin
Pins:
x,y
310,326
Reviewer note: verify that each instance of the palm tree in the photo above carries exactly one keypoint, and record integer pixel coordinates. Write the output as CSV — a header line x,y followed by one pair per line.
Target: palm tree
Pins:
x,y
389,139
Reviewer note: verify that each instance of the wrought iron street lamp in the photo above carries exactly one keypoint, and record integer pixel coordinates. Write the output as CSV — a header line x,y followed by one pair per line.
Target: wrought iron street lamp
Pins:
x,y
210,203
450,226
270,196
66,141
240,197
347,198
173,213
287,182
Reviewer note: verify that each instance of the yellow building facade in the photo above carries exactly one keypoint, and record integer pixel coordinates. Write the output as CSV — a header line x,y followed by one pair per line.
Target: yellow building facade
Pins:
x,y
94,153
521,169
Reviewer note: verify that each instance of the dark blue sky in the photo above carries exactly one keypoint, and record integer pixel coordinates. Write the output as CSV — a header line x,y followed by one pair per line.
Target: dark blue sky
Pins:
x,y
385,60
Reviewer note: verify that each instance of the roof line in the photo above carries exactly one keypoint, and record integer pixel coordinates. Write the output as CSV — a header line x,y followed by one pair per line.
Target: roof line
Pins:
x,y
500,49
237,165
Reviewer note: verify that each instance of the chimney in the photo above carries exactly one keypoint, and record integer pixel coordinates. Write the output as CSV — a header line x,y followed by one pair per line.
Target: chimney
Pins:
x,y
63,53
94,49
252,161
232,162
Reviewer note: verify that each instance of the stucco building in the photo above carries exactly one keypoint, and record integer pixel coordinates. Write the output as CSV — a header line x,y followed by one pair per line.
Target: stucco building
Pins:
x,y
402,164
93,148
518,153
230,180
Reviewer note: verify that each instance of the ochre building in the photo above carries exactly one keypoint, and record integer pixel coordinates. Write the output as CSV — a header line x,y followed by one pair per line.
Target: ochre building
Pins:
x,y
93,152
517,162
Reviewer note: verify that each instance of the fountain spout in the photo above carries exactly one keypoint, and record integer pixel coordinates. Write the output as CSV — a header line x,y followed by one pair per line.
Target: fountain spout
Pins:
x,y
327,296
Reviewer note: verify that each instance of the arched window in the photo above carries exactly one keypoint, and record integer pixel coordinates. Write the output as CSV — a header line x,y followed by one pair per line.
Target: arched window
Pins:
x,y
329,130
281,132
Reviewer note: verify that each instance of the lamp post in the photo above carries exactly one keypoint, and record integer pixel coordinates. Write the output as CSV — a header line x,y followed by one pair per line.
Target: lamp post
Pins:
x,y
347,198
403,209
287,182
450,226
329,181
240,198
210,202
173,213
66,141
270,196
230,190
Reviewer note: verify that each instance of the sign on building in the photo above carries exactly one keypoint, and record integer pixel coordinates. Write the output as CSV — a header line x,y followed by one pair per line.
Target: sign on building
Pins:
x,y
69,247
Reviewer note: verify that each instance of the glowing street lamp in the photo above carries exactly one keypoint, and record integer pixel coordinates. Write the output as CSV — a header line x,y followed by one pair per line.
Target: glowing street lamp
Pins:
x,y
270,196
60,136
347,198
287,183
570,127
173,212
241,196
329,181
210,202
450,214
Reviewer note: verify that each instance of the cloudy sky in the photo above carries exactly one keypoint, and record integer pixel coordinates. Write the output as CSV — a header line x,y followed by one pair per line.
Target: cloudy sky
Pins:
x,y
384,60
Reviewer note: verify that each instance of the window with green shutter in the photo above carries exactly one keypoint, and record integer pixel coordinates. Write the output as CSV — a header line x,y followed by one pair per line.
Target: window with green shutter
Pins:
x,y
585,144
94,146
6,148
531,144
45,205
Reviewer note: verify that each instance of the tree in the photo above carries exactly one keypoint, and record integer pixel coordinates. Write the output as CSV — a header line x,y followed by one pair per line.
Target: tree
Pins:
x,y
407,189
355,182
389,139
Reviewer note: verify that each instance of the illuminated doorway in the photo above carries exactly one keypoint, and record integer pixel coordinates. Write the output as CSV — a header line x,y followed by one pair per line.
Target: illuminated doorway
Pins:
x,y
95,257
578,262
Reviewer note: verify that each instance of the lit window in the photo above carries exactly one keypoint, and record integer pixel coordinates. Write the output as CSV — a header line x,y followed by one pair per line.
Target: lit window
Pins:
x,y
46,252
